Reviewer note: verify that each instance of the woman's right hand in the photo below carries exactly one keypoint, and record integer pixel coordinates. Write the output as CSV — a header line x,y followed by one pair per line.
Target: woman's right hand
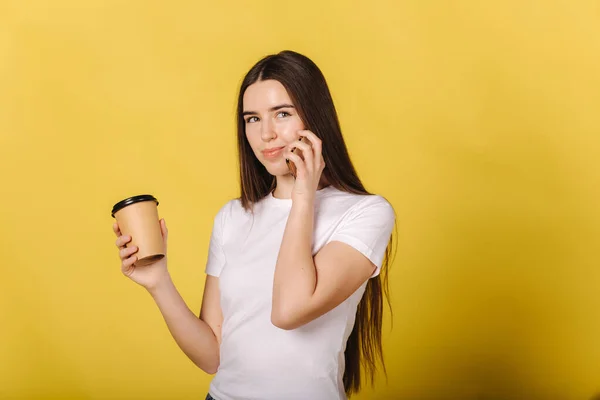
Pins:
x,y
148,276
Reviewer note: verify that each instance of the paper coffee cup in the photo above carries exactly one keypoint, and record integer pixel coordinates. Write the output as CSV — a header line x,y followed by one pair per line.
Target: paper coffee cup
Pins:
x,y
137,217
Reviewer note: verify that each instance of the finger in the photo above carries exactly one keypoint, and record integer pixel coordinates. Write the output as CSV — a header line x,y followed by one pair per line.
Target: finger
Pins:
x,y
299,163
163,228
127,251
127,265
315,142
307,153
316,145
122,240
116,229
164,231
305,147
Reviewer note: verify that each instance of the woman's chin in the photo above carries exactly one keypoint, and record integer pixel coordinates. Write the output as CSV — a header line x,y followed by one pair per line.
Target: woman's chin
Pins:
x,y
279,174
278,170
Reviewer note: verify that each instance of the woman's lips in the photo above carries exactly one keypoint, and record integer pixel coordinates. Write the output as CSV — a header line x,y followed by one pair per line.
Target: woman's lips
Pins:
x,y
273,153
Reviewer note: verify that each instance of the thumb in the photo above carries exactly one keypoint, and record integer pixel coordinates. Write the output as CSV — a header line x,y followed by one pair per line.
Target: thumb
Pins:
x,y
164,231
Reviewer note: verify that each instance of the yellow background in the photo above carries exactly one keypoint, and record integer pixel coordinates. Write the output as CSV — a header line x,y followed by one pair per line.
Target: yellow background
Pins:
x,y
479,121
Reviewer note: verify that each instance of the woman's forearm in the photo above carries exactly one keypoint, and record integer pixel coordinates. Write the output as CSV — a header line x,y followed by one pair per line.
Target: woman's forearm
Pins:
x,y
194,336
295,275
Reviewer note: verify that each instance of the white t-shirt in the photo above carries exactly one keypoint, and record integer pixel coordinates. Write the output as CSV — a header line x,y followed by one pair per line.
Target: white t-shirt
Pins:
x,y
259,360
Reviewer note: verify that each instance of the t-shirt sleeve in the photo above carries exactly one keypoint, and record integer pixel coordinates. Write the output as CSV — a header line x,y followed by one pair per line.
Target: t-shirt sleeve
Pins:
x,y
368,228
216,256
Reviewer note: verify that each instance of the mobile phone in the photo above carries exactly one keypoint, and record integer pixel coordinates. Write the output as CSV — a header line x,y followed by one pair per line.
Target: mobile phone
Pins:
x,y
290,163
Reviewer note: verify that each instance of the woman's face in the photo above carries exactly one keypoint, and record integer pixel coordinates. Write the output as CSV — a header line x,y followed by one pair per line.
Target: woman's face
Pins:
x,y
272,123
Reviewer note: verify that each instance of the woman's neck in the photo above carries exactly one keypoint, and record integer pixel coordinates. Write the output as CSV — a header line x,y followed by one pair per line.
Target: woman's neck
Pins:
x,y
285,185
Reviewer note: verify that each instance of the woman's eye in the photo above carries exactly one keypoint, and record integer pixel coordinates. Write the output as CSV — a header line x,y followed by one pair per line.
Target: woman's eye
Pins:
x,y
251,119
283,114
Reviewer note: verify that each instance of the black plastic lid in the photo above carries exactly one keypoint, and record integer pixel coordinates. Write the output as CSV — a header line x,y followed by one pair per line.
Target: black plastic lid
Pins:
x,y
131,200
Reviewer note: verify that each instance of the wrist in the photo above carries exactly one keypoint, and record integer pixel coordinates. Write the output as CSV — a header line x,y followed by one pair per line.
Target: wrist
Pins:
x,y
303,203
163,285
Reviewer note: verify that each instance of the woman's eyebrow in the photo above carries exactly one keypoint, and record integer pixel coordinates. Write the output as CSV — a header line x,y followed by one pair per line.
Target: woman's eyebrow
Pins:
x,y
274,108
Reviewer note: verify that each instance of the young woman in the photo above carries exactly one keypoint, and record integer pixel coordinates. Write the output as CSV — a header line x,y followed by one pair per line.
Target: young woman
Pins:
x,y
293,297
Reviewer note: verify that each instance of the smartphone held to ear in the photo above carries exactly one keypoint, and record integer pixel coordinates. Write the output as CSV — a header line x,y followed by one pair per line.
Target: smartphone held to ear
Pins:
x,y
297,151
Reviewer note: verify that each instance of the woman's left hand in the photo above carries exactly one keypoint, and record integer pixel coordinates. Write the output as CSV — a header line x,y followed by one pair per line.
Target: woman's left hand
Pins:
x,y
309,170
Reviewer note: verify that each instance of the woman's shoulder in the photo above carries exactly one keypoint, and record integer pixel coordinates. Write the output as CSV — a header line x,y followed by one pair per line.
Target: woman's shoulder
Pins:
x,y
357,200
369,212
230,209
229,214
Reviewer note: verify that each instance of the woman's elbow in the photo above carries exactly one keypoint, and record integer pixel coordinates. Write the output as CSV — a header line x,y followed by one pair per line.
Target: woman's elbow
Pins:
x,y
286,320
210,367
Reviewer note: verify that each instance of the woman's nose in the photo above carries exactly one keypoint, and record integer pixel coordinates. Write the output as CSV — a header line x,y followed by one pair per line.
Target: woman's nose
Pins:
x,y
268,131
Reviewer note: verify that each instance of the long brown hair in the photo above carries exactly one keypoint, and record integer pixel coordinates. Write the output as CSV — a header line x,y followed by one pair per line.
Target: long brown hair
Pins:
x,y
309,92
